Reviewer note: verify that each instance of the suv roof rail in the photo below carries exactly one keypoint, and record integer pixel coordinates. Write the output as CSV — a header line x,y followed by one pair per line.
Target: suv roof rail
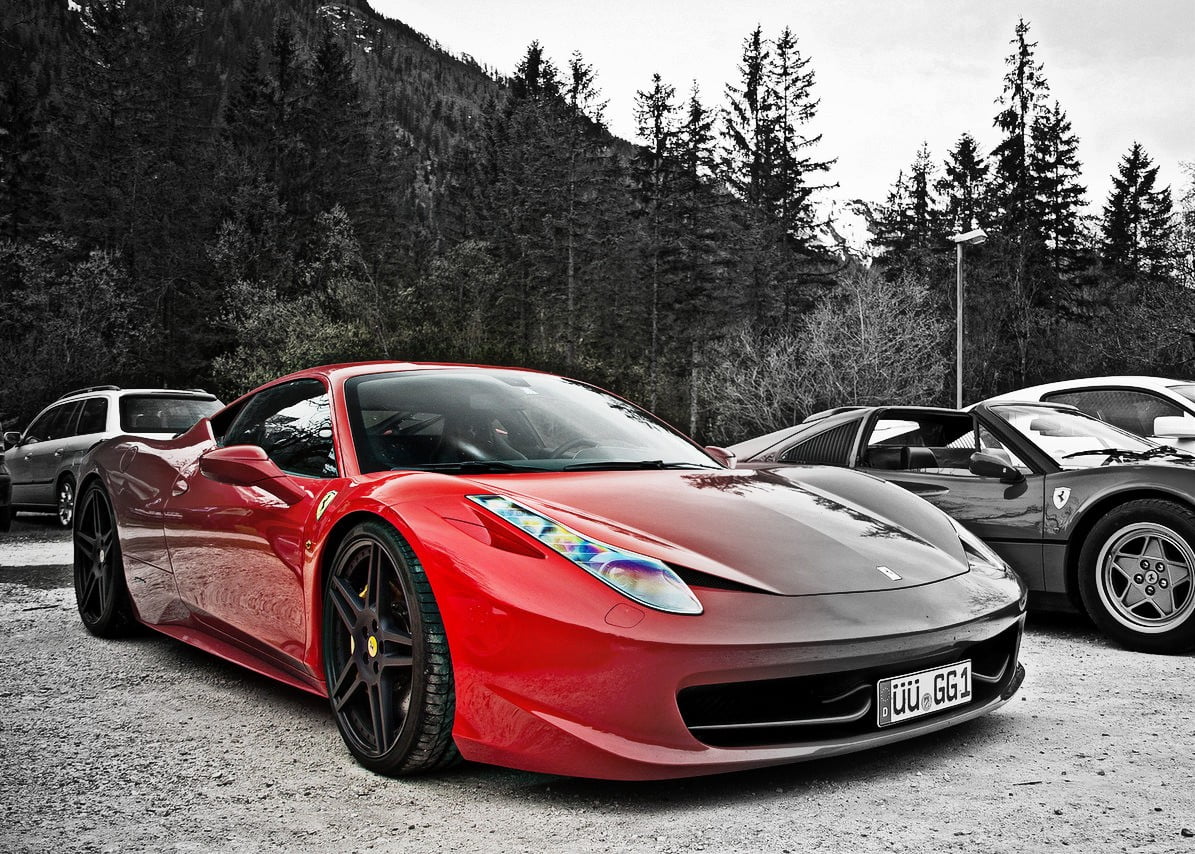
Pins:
x,y
89,388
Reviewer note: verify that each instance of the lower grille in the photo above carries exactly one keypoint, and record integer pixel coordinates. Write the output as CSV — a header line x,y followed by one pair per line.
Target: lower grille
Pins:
x,y
829,706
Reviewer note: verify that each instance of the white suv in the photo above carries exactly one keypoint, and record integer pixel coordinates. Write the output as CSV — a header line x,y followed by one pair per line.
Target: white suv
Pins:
x,y
42,460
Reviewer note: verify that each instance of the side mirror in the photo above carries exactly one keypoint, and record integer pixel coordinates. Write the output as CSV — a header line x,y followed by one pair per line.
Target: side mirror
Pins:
x,y
725,457
986,465
1174,427
248,465
11,439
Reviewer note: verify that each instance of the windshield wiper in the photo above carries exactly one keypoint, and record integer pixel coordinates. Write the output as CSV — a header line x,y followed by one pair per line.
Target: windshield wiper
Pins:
x,y
471,467
1113,453
632,465
1168,451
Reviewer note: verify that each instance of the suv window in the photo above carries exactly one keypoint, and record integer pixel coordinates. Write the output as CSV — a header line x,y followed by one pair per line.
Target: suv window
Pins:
x,y
160,413
1130,410
94,416
54,423
292,423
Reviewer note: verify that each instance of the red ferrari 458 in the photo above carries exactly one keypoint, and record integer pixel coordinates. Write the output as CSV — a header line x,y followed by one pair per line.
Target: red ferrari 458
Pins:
x,y
516,568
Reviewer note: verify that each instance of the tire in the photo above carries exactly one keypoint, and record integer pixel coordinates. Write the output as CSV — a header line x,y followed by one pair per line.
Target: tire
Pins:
x,y
100,589
1137,575
5,519
386,658
65,496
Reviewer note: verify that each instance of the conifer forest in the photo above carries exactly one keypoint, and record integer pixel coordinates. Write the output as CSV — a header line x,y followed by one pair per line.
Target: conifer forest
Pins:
x,y
215,192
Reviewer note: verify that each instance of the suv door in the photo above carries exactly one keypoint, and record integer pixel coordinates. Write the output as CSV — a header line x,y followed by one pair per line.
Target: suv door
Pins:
x,y
34,464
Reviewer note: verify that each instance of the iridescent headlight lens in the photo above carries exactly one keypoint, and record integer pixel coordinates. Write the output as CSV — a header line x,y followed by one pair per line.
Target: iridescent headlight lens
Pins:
x,y
643,579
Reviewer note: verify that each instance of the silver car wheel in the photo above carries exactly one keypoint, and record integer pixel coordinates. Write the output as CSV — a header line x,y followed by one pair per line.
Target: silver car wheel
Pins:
x,y
1146,577
66,502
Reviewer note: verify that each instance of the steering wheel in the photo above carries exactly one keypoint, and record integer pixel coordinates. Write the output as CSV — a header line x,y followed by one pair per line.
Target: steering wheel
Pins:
x,y
573,445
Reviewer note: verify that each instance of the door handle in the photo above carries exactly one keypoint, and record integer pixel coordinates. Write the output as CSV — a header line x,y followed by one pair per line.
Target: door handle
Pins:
x,y
60,452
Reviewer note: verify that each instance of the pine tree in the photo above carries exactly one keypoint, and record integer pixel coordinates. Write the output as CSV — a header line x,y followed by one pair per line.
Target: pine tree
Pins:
x,y
1025,89
964,188
1058,195
656,123
1138,225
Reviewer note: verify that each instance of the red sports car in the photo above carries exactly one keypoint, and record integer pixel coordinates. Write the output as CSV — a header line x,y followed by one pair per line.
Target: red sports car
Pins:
x,y
521,569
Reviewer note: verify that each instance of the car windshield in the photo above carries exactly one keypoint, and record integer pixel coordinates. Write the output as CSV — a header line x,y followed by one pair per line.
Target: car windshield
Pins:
x,y
471,420
1187,391
1072,439
160,413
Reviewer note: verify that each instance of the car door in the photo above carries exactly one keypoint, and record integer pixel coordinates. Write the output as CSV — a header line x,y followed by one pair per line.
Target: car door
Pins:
x,y
34,465
238,552
928,452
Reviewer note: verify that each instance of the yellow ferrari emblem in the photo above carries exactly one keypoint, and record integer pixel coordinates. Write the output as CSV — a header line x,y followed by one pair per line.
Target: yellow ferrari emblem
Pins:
x,y
373,646
323,504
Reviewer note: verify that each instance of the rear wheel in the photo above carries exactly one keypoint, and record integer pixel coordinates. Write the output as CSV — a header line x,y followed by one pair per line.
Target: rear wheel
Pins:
x,y
100,589
386,657
66,501
1137,575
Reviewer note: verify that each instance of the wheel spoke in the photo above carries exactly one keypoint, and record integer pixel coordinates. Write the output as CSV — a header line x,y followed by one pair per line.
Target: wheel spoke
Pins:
x,y
90,580
345,687
381,709
374,597
346,601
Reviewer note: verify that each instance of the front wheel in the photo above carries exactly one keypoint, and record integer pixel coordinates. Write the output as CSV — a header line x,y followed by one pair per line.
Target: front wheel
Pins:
x,y
1137,575
386,658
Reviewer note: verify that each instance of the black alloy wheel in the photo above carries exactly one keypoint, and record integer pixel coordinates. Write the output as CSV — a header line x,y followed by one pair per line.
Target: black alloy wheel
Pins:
x,y
1137,575
100,589
66,501
386,658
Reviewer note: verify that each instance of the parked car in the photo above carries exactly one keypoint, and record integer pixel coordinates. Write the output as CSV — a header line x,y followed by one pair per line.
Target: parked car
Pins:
x,y
524,570
1153,407
42,461
1091,516
5,498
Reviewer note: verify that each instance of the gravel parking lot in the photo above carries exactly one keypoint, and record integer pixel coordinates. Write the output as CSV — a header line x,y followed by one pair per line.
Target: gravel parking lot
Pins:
x,y
146,745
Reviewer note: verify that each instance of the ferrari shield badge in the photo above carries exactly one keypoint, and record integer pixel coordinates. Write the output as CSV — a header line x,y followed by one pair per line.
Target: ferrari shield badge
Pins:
x,y
327,499
1062,495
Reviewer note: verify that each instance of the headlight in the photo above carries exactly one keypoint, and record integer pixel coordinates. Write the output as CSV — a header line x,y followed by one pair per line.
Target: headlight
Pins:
x,y
644,579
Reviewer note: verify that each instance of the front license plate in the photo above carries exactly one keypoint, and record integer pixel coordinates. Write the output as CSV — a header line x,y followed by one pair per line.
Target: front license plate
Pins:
x,y
903,698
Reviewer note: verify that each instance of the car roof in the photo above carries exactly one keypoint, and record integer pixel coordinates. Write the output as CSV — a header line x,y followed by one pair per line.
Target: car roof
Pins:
x,y
1148,382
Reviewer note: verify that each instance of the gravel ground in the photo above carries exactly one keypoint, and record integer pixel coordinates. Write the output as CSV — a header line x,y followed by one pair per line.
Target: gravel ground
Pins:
x,y
145,745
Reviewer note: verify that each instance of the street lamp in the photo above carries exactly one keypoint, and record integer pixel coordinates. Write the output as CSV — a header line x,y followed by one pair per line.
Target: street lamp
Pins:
x,y
974,237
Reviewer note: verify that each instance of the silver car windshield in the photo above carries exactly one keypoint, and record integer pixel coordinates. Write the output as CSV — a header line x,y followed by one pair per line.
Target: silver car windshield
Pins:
x,y
1072,439
472,420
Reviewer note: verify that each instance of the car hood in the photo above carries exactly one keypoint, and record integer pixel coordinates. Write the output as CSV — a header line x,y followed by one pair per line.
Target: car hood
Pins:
x,y
791,531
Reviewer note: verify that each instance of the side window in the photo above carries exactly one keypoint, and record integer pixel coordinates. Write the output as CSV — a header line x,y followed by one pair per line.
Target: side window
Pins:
x,y
38,431
94,416
933,443
57,423
831,447
1134,411
292,423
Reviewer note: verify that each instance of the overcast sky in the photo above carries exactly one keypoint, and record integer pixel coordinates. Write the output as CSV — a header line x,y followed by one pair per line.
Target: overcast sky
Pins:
x,y
890,73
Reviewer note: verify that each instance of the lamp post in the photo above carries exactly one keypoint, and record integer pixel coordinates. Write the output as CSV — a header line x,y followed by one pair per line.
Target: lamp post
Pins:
x,y
974,237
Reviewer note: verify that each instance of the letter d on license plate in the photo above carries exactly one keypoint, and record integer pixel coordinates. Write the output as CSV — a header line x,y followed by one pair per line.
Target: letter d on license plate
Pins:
x,y
902,698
